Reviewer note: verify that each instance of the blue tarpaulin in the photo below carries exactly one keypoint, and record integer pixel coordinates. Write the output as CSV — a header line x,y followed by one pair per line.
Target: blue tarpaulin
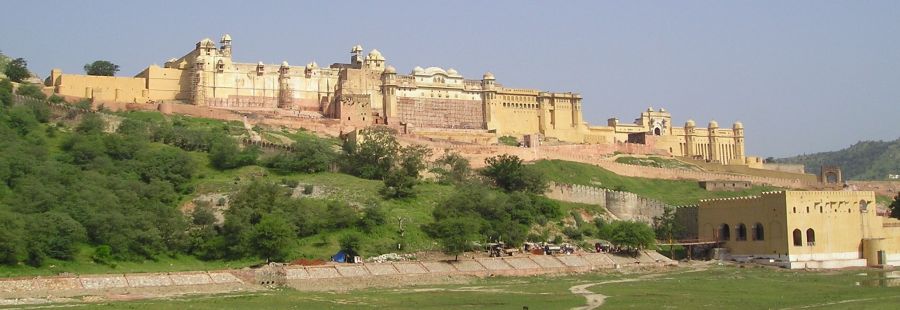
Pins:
x,y
340,257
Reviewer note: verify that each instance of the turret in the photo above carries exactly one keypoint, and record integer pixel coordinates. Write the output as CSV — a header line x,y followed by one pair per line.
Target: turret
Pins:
x,y
489,96
285,94
225,47
689,138
713,141
206,47
375,61
389,94
198,89
739,142
356,58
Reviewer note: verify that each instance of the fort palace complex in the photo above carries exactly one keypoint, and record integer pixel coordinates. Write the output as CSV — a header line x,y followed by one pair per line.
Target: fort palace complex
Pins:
x,y
427,101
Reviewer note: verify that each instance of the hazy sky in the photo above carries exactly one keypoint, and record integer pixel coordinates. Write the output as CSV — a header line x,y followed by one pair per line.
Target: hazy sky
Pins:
x,y
803,76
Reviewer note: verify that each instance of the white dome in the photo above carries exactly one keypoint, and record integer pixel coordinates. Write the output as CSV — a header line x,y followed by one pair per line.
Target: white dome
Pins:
x,y
488,76
452,71
435,70
285,64
418,70
390,69
226,37
375,55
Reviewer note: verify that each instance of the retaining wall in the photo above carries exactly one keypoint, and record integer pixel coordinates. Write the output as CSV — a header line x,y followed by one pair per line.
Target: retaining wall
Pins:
x,y
17,287
520,265
622,205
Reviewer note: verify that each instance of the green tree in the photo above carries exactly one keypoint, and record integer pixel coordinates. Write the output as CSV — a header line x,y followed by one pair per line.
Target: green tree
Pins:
x,y
167,164
372,155
31,90
629,234
91,123
203,216
6,91
895,207
309,155
350,243
400,179
667,227
398,184
373,216
452,168
17,70
4,60
10,238
272,237
224,153
101,68
455,234
509,173
53,235
341,215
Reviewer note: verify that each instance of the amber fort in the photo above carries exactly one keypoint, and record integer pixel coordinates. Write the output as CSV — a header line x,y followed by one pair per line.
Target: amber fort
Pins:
x,y
431,102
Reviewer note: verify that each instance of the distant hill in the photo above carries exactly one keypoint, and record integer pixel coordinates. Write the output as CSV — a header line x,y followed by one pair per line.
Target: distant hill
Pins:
x,y
865,160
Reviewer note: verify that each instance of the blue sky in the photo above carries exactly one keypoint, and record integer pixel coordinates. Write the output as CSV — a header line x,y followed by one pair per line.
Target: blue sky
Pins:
x,y
803,76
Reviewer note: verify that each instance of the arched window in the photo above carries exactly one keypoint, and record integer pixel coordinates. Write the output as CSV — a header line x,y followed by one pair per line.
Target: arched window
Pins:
x,y
657,131
724,232
810,237
863,206
758,232
795,209
741,232
798,238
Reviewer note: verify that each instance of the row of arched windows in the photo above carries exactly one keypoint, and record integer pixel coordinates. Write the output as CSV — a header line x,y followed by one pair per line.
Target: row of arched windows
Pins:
x,y
757,232
810,237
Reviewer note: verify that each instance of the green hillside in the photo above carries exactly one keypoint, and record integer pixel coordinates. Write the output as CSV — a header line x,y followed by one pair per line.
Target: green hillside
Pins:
x,y
866,160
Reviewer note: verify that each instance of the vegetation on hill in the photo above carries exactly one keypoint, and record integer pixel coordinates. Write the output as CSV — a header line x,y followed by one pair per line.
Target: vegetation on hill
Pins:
x,y
865,160
79,198
654,161
674,192
101,68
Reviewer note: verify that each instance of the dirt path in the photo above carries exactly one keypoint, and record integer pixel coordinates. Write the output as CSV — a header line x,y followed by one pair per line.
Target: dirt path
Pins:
x,y
254,136
595,300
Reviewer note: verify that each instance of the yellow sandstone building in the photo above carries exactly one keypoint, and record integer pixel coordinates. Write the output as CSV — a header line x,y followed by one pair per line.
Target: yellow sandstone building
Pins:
x,y
428,101
802,229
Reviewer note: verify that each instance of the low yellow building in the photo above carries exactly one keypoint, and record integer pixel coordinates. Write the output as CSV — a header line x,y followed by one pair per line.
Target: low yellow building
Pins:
x,y
802,229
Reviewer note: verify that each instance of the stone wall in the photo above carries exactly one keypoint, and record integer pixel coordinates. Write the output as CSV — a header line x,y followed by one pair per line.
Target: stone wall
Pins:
x,y
441,113
311,277
793,168
14,287
622,205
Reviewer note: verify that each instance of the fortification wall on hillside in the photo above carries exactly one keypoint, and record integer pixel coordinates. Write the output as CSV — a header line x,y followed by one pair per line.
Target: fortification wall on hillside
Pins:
x,y
597,154
884,188
622,205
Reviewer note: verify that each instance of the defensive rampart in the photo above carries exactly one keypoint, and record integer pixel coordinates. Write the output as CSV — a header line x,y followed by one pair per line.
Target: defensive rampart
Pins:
x,y
597,154
622,205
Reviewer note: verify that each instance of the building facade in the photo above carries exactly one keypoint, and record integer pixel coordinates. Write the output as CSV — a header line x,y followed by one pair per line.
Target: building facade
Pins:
x,y
368,91
802,229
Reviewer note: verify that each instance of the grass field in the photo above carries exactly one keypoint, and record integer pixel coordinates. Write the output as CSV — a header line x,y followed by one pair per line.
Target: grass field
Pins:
x,y
675,192
720,287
